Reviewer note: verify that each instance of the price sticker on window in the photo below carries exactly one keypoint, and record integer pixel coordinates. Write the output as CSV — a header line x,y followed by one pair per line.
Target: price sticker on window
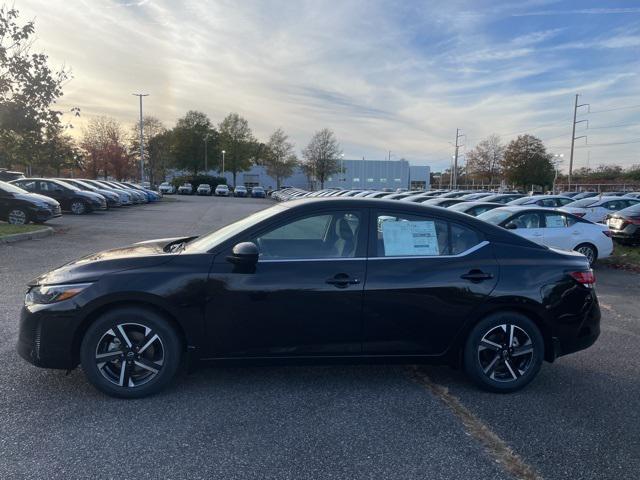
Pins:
x,y
405,238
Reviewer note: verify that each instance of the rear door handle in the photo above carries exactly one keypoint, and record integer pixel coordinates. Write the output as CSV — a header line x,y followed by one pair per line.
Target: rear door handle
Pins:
x,y
342,280
476,276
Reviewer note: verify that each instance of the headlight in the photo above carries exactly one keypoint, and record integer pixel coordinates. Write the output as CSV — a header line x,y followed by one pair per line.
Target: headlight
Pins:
x,y
45,294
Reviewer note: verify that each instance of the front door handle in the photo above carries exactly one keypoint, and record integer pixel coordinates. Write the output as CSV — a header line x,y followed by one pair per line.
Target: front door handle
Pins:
x,y
476,276
342,280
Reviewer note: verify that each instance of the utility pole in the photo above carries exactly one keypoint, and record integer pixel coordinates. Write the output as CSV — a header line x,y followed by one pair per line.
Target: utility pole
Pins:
x,y
140,95
573,136
206,169
454,173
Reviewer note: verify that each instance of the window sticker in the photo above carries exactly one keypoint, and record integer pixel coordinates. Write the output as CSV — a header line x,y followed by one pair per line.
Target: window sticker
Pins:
x,y
407,238
555,221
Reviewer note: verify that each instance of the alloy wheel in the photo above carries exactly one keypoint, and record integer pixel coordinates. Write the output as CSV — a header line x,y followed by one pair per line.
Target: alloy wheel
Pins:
x,y
588,252
17,217
130,355
505,353
77,208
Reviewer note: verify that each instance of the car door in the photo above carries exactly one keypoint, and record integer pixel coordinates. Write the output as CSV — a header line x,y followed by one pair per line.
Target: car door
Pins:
x,y
304,297
528,225
425,278
53,190
559,232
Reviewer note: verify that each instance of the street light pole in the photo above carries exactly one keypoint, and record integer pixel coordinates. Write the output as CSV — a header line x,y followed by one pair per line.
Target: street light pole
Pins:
x,y
206,168
223,152
140,95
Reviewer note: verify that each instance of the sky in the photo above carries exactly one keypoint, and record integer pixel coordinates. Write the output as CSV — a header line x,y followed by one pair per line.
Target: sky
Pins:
x,y
396,76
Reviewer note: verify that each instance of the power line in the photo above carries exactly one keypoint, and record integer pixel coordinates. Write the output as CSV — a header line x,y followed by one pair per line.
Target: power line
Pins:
x,y
615,126
609,144
628,107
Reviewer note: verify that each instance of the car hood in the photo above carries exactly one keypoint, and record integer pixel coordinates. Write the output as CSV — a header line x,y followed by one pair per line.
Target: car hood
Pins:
x,y
91,267
35,197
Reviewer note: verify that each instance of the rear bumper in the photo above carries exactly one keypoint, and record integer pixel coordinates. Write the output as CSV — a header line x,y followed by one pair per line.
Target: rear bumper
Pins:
x,y
582,335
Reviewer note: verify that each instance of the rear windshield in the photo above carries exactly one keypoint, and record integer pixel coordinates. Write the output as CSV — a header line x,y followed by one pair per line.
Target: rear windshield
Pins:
x,y
585,202
495,216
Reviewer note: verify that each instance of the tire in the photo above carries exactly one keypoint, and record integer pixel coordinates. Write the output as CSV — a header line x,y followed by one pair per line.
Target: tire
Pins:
x,y
18,216
589,251
78,207
495,365
149,364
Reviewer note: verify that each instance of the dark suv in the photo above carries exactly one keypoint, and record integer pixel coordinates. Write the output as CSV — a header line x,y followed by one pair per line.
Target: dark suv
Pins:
x,y
71,198
19,207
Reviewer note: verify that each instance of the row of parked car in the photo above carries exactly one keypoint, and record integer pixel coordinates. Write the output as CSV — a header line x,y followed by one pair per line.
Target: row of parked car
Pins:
x,y
221,190
37,200
582,221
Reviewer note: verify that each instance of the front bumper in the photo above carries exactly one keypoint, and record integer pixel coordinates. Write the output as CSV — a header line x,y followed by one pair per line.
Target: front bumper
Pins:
x,y
630,232
44,214
46,338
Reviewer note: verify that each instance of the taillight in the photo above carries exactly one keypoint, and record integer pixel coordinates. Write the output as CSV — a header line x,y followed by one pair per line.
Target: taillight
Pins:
x,y
584,277
634,221
579,214
607,233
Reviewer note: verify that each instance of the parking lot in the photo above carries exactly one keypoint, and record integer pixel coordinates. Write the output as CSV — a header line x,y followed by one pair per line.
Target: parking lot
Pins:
x,y
579,418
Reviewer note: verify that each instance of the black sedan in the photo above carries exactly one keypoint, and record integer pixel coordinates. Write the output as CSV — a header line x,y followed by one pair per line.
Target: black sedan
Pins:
x,y
313,280
70,197
19,207
625,225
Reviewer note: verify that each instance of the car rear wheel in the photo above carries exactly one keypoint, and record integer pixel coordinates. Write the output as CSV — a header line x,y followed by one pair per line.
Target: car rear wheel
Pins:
x,y
130,352
78,207
504,352
588,251
18,216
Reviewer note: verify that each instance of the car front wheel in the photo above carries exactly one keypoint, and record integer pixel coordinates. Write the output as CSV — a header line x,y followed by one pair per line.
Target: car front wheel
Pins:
x,y
130,352
504,352
18,216
78,207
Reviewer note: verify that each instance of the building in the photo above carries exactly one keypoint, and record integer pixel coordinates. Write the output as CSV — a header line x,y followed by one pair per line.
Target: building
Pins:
x,y
356,174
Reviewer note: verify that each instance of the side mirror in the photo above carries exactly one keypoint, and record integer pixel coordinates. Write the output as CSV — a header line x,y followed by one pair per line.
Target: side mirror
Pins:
x,y
244,254
511,226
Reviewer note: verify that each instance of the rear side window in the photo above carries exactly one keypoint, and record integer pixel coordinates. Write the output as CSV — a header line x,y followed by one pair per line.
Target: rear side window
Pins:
x,y
555,220
403,235
526,220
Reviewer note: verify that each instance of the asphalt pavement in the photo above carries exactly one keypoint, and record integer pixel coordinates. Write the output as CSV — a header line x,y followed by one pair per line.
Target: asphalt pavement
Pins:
x,y
578,419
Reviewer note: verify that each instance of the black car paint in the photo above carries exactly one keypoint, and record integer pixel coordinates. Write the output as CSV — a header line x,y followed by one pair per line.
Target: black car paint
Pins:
x,y
62,194
400,310
37,207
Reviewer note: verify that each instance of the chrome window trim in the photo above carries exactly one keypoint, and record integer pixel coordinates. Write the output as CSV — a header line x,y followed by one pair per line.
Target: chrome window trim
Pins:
x,y
343,259
458,255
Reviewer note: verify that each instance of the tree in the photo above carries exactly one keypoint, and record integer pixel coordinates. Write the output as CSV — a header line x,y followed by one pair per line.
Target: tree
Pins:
x,y
321,156
484,162
237,140
28,89
280,158
59,152
152,128
526,162
104,143
187,141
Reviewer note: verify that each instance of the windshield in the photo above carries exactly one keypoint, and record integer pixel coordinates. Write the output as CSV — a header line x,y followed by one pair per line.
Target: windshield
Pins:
x,y
585,202
215,238
9,188
522,201
460,207
495,216
84,184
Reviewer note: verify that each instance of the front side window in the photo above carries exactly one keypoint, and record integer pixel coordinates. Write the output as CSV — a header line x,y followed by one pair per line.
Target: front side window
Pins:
x,y
29,185
326,235
402,235
526,220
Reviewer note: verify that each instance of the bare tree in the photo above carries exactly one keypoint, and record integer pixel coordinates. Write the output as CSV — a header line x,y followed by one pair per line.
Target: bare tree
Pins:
x,y
104,143
280,158
321,156
484,162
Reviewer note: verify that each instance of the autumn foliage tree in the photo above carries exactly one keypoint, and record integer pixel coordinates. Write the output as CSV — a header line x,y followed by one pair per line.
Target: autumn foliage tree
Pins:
x,y
526,162
106,154
484,161
280,158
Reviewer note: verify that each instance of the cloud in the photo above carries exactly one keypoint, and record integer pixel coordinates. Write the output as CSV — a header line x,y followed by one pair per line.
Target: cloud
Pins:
x,y
385,75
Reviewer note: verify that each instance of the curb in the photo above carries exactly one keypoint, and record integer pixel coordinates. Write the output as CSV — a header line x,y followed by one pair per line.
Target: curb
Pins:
x,y
18,237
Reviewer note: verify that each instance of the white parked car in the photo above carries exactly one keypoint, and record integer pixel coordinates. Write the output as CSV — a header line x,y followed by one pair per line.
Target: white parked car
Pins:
x,y
596,209
549,201
222,191
166,188
554,228
185,189
204,189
